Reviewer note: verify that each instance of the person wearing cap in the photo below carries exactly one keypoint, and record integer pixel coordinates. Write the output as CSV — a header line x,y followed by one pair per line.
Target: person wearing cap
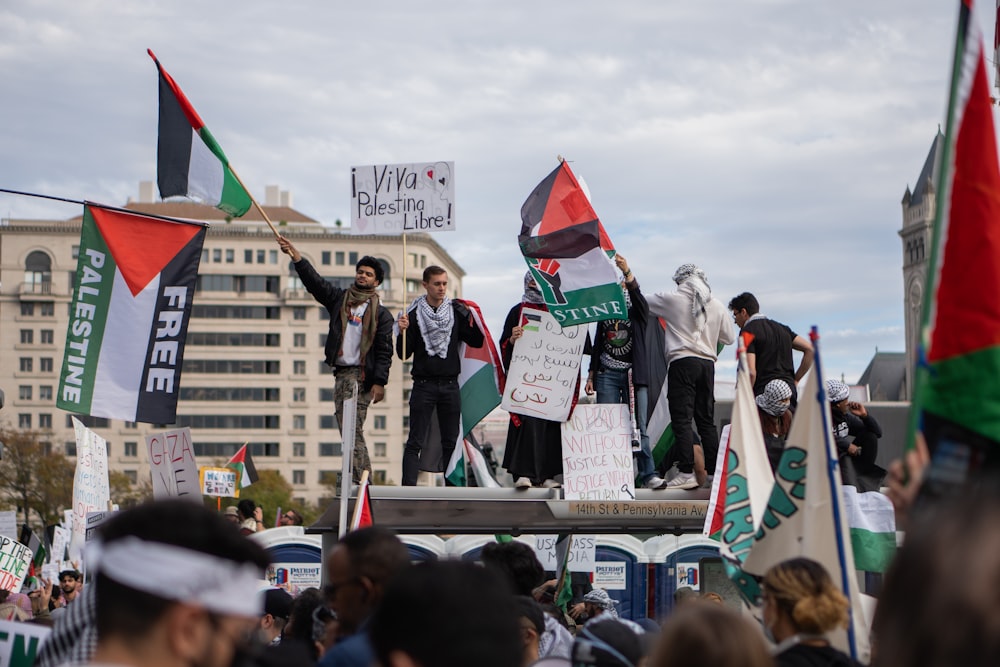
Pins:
x,y
359,345
607,643
277,607
193,602
773,409
231,514
696,328
855,431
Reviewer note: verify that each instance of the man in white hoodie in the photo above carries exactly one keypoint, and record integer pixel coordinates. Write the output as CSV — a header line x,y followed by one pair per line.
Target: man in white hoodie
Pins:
x,y
697,326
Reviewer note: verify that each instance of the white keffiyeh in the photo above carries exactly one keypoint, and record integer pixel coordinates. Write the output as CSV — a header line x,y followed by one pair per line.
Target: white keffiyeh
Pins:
x,y
695,279
435,325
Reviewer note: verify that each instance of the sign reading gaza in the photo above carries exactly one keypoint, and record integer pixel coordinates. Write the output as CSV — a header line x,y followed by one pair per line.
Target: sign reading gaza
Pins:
x,y
403,198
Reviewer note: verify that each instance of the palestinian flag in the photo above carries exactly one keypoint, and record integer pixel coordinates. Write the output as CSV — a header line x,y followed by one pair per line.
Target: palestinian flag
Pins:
x,y
871,519
189,162
957,390
135,280
362,517
568,252
658,429
467,456
242,463
39,553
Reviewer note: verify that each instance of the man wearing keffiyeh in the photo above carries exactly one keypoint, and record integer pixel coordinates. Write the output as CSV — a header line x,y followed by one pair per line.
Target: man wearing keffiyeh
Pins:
x,y
442,323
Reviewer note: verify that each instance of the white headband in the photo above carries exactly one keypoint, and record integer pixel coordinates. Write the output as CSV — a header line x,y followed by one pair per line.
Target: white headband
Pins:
x,y
176,573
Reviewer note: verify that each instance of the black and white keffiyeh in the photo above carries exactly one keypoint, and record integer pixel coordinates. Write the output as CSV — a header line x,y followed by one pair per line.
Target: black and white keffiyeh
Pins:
x,y
691,275
531,292
837,391
435,325
775,399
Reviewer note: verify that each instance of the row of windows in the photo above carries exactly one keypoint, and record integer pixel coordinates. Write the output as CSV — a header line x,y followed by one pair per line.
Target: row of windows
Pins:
x,y
25,392
230,421
218,312
40,308
259,449
240,284
245,366
221,339
27,364
332,477
272,394
25,421
45,336
263,256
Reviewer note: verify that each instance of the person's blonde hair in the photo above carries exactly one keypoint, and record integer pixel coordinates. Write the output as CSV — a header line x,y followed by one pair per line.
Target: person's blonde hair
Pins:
x,y
709,634
804,591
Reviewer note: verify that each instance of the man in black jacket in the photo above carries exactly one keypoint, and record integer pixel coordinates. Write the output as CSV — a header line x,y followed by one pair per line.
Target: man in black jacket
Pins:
x,y
359,346
441,323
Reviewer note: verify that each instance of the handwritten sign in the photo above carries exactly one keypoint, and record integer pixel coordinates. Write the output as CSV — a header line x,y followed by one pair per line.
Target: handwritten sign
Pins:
x,y
60,540
597,453
91,490
582,553
20,643
544,367
403,198
15,558
219,482
172,464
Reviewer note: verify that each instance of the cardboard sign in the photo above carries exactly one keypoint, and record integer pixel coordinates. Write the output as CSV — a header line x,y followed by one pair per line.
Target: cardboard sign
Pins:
x,y
172,464
597,453
219,482
20,643
544,367
295,577
91,490
611,575
582,553
403,198
15,559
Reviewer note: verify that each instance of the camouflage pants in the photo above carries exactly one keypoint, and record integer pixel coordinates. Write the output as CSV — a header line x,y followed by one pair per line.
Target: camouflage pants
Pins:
x,y
343,388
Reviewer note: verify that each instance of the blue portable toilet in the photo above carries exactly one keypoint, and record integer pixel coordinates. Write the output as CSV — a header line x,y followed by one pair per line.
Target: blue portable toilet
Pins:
x,y
296,558
424,547
621,569
675,562
468,547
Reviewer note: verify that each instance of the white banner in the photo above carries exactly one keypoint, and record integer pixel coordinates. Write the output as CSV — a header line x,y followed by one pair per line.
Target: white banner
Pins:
x,y
544,367
403,198
91,490
597,453
582,552
219,482
172,464
20,643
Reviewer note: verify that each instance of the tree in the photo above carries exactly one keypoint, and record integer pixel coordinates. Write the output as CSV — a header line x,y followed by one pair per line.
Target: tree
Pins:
x,y
126,494
34,478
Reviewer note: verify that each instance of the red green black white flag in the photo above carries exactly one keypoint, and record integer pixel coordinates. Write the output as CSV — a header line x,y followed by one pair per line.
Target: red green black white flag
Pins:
x,y
242,463
189,161
135,280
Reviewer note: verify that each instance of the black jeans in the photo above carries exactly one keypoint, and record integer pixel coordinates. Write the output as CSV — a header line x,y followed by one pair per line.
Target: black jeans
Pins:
x,y
691,396
425,397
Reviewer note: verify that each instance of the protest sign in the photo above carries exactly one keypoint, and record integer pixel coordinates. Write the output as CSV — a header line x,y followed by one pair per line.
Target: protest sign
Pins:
x,y
582,552
611,575
20,643
597,453
15,559
8,524
403,198
172,464
219,482
91,490
60,540
94,521
294,577
544,367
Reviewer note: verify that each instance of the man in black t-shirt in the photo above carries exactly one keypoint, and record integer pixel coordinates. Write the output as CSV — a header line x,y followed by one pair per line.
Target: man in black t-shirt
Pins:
x,y
769,354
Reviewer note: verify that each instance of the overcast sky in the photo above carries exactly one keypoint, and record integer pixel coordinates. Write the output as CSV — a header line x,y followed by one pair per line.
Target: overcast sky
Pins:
x,y
768,141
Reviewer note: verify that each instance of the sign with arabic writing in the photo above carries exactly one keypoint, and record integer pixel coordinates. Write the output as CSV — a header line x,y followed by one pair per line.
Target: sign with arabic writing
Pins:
x,y
544,367
597,453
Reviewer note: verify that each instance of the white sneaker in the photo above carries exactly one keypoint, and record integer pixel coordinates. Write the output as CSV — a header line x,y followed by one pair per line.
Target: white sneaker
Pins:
x,y
683,481
655,482
551,484
522,483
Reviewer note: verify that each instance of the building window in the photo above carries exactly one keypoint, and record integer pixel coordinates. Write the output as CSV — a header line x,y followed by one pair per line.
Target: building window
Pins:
x,y
339,258
27,336
217,255
299,422
48,309
298,477
24,420
45,364
379,449
47,336
298,394
131,425
70,449
352,258
299,340
299,367
378,477
331,448
27,364
27,308
406,421
24,392
89,422
45,420
298,449
299,313
378,422
323,367
261,256
131,449
232,366
325,394
75,251
413,260
204,255
272,256
413,286
132,476
251,421
327,421
38,273
248,256
329,477
45,392
230,256
325,258
406,395
264,394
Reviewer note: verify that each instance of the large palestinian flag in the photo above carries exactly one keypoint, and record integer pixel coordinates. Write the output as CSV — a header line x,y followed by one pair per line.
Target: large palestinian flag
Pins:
x,y
189,161
135,279
568,252
957,393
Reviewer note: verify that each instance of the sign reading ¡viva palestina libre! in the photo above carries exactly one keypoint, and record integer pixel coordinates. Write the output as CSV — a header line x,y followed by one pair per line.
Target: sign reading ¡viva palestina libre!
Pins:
x,y
403,198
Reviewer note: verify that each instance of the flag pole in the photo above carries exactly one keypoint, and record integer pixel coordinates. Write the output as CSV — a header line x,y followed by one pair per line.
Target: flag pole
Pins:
x,y
358,504
255,203
404,294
